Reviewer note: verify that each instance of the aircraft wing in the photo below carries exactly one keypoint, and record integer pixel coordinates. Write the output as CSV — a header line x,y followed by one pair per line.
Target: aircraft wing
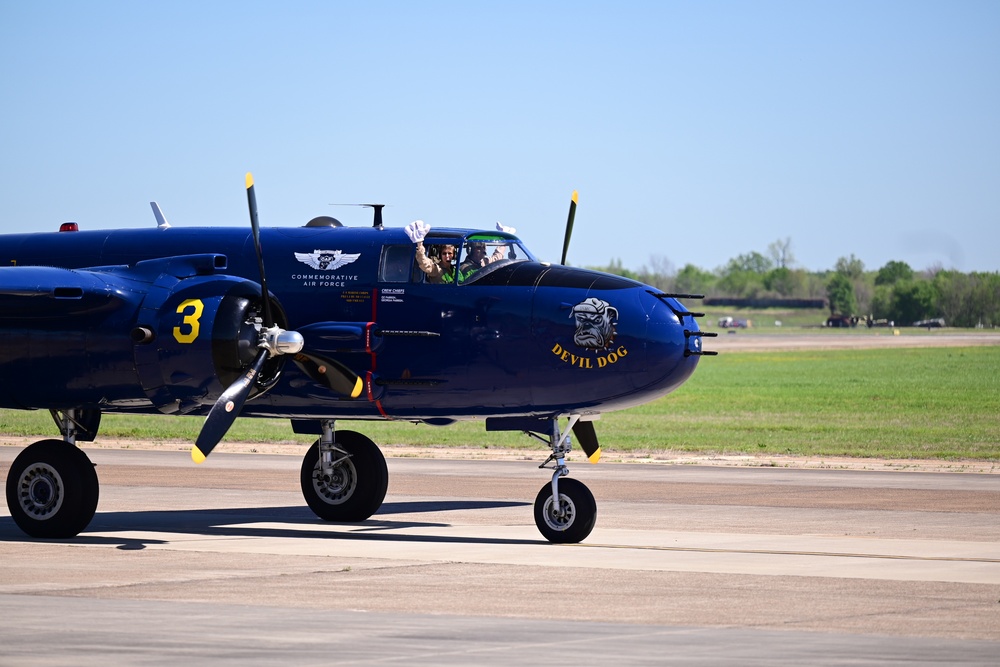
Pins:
x,y
41,292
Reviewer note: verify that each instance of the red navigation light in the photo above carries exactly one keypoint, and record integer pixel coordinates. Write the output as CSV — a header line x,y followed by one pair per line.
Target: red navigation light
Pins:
x,y
69,227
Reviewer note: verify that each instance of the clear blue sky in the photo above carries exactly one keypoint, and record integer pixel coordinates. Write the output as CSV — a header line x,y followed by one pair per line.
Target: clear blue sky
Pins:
x,y
694,131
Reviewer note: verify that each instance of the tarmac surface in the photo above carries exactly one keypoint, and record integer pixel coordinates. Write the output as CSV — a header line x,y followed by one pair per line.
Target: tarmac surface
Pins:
x,y
689,564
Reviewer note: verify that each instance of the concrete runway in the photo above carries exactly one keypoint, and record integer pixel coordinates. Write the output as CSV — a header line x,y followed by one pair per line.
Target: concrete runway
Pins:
x,y
687,565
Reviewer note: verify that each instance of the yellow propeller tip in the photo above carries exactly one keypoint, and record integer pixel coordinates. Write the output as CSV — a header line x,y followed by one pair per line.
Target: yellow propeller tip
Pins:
x,y
576,197
249,180
358,386
595,457
197,456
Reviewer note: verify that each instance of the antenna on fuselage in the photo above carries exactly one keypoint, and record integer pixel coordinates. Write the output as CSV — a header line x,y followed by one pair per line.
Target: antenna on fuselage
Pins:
x,y
377,222
161,222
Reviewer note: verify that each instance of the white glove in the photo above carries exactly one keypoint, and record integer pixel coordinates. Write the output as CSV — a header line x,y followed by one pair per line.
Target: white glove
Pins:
x,y
417,230
509,230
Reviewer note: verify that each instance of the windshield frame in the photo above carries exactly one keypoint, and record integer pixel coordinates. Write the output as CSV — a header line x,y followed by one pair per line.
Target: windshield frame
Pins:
x,y
499,246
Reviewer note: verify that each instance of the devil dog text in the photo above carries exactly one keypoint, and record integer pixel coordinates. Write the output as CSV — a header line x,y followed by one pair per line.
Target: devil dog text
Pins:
x,y
589,362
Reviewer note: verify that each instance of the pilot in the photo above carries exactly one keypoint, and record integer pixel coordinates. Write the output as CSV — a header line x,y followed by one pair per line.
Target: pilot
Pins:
x,y
439,270
477,259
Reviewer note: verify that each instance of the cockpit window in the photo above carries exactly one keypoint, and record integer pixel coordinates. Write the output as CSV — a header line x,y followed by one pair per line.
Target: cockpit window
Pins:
x,y
437,261
483,253
396,263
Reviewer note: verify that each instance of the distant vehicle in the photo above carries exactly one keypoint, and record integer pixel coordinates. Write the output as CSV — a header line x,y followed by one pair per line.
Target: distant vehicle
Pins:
x,y
935,323
841,322
732,323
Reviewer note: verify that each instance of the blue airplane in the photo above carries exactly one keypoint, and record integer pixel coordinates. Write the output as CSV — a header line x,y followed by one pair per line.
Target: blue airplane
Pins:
x,y
413,324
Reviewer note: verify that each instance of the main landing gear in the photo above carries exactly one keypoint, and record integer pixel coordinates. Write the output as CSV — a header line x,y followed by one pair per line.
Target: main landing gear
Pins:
x,y
565,509
344,476
52,486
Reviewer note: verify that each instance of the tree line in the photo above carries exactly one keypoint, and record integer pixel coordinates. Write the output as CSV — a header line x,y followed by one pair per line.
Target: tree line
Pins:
x,y
895,292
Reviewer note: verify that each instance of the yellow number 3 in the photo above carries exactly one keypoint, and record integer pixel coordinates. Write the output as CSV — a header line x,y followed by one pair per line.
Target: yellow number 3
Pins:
x,y
193,308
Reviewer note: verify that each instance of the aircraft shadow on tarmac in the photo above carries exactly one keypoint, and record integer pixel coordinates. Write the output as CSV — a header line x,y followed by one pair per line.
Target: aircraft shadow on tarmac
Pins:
x,y
226,523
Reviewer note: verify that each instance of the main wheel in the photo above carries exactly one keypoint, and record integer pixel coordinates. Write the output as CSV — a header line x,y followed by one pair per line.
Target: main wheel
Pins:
x,y
52,490
356,488
577,512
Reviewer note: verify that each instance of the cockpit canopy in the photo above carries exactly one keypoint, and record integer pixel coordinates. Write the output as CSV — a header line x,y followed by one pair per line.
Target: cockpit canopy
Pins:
x,y
483,253
476,254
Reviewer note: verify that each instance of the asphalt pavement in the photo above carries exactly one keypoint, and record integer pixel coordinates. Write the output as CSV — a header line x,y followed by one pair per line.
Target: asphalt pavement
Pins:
x,y
223,564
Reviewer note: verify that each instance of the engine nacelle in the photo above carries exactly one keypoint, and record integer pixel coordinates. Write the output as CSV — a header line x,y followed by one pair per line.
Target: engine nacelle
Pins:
x,y
172,333
193,338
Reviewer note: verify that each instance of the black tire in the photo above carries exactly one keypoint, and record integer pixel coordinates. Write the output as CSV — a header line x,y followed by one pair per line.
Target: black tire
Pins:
x,y
358,486
578,517
52,490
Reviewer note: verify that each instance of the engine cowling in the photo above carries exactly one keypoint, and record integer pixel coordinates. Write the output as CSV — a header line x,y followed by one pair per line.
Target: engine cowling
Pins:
x,y
173,333
194,338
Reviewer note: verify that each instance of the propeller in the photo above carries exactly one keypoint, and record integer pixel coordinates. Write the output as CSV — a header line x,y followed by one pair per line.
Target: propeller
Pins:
x,y
586,435
584,431
226,409
274,341
333,374
255,228
569,226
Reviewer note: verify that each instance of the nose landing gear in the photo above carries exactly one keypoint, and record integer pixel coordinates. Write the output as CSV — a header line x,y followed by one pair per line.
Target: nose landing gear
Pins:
x,y
565,509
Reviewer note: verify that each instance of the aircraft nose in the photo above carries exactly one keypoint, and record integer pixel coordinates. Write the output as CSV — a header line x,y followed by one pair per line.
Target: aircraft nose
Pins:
x,y
674,343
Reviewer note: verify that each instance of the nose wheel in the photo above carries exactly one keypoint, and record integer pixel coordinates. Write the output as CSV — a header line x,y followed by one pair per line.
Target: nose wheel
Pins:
x,y
572,518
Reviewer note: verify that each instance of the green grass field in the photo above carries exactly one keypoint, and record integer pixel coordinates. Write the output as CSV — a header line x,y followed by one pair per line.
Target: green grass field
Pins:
x,y
907,403
938,403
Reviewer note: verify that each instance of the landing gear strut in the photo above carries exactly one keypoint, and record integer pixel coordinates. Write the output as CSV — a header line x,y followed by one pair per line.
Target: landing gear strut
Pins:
x,y
344,477
565,510
52,486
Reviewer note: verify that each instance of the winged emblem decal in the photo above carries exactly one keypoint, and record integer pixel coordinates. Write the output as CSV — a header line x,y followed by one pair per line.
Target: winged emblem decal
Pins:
x,y
326,260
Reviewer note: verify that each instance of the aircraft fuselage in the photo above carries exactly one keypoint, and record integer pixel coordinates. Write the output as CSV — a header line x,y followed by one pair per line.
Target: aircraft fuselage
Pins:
x,y
528,339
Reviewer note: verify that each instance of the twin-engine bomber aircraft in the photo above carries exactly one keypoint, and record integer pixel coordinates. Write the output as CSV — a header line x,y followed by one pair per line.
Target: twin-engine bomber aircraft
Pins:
x,y
415,324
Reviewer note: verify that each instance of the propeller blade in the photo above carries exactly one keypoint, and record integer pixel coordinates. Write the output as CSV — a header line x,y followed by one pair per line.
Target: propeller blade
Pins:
x,y
255,226
335,375
226,409
569,226
586,435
